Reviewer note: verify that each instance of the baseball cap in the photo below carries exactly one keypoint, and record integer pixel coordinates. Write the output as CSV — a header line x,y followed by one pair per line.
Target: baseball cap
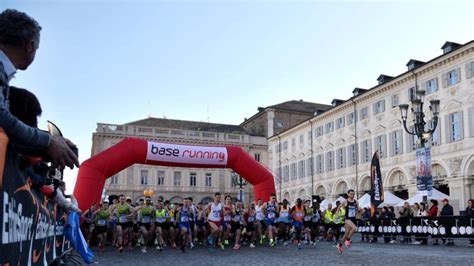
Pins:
x,y
445,200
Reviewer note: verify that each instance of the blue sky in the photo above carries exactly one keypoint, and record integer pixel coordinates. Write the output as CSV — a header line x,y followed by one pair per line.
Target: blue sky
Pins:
x,y
120,61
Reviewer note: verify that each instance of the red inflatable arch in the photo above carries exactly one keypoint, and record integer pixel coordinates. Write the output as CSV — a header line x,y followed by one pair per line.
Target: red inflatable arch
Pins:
x,y
93,172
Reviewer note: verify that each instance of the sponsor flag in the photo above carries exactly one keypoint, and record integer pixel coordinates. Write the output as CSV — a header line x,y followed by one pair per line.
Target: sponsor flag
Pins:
x,y
376,195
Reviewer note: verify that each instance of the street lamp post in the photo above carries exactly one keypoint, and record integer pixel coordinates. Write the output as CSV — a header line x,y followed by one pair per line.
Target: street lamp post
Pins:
x,y
419,125
238,181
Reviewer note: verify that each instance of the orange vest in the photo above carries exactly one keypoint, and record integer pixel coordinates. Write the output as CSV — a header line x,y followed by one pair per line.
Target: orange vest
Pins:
x,y
298,213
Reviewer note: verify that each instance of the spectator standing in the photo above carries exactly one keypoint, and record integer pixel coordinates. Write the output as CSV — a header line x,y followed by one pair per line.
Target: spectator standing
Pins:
x,y
447,210
470,212
433,212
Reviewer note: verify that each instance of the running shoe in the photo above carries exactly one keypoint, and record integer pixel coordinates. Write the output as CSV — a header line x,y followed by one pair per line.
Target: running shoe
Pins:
x,y
222,246
120,249
226,242
182,248
348,243
236,247
143,249
299,245
272,243
191,245
252,245
261,240
210,240
339,248
156,241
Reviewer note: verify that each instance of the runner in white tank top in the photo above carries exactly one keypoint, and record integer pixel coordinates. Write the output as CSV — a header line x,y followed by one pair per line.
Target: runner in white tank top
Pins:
x,y
260,224
214,219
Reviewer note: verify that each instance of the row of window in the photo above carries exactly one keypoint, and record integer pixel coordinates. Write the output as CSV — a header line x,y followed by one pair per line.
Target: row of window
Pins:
x,y
160,181
347,156
453,130
449,78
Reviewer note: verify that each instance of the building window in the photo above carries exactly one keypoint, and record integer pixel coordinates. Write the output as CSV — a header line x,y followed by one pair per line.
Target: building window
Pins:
x,y
351,118
310,166
330,127
293,142
366,150
285,145
319,131
395,100
435,139
329,161
380,146
208,180
144,177
192,179
341,158
319,164
114,180
301,139
279,124
411,93
301,172
364,113
278,147
452,77
412,140
293,171
340,122
470,70
455,126
177,179
257,157
432,85
233,175
352,154
161,178
396,142
309,136
379,107
286,173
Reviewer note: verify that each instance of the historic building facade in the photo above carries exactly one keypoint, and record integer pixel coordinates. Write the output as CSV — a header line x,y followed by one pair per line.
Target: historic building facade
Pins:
x,y
331,152
176,183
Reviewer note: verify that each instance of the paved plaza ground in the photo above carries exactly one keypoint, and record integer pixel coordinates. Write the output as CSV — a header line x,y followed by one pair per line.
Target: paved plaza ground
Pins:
x,y
323,253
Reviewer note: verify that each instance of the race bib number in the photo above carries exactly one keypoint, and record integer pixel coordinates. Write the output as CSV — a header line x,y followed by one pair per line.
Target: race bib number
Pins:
x,y
160,220
172,219
101,222
122,219
299,214
307,218
271,215
216,215
259,216
146,220
227,218
184,219
337,220
251,219
352,212
284,214
237,218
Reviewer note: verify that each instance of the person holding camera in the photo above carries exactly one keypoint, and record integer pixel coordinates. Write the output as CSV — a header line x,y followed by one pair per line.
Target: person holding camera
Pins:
x,y
19,40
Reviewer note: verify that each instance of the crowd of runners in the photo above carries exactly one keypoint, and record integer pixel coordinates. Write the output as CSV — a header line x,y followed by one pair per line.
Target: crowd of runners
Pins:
x,y
218,224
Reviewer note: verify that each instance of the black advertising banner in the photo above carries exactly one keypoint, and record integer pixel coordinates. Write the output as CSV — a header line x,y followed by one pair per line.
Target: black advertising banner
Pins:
x,y
377,196
31,225
442,227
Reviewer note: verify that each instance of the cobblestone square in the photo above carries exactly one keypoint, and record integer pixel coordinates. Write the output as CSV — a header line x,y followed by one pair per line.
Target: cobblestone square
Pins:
x,y
323,253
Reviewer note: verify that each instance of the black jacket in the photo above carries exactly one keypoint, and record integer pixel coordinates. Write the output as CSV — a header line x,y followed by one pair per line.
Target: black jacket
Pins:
x,y
447,210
